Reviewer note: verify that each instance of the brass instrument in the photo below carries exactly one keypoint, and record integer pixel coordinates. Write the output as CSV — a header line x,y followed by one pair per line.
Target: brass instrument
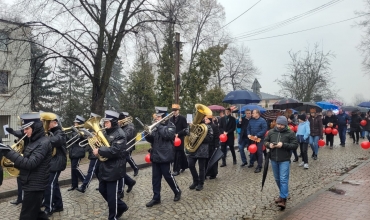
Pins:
x,y
46,118
68,130
8,164
148,130
197,131
75,138
125,121
97,139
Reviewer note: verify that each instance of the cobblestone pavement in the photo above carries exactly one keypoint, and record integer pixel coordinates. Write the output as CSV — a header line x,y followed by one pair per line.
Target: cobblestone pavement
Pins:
x,y
234,194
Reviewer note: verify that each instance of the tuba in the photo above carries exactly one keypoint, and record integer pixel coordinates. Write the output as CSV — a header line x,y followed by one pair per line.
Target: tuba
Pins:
x,y
46,118
8,164
97,139
197,131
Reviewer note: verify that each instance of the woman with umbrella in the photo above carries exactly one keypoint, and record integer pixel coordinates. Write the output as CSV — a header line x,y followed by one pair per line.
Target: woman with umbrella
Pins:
x,y
280,141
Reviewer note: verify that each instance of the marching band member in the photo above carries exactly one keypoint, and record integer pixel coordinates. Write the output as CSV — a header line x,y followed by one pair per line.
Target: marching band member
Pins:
x,y
161,155
181,162
214,144
33,166
53,198
113,169
76,153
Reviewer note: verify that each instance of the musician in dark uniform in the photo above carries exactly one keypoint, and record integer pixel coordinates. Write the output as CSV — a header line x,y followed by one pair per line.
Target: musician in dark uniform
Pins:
x,y
113,169
76,153
227,126
162,155
213,146
181,162
129,130
34,166
53,198
93,166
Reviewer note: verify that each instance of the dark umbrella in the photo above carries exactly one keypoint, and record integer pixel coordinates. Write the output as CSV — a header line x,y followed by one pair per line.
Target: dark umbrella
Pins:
x,y
286,103
364,104
216,156
216,108
350,108
272,114
265,168
241,97
307,106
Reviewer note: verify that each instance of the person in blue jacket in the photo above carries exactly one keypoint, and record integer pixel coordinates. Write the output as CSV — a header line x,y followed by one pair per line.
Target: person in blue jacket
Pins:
x,y
343,119
303,134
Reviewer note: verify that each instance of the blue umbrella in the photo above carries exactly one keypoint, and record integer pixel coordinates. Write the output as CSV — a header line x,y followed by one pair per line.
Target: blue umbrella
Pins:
x,y
241,97
364,104
252,107
326,105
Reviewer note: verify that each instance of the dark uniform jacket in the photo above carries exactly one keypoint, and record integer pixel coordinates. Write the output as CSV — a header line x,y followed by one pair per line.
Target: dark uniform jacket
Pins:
x,y
75,151
228,127
34,165
115,167
289,140
203,149
181,129
215,143
161,140
58,141
130,133
332,119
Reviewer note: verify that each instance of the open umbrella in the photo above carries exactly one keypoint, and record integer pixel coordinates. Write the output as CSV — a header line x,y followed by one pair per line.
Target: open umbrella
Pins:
x,y
326,105
307,106
363,110
216,108
364,104
265,168
216,156
272,114
241,97
350,108
287,103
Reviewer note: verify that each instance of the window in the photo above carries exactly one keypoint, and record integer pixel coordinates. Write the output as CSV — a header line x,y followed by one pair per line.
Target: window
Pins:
x,y
4,40
4,82
4,120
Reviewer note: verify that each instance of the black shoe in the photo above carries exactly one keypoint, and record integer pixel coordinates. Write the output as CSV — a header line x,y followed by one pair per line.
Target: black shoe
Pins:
x,y
81,189
295,160
250,166
16,202
199,187
97,188
177,196
257,170
129,188
212,177
331,147
120,213
136,172
58,210
48,213
223,165
152,202
175,173
315,157
234,162
244,164
357,142
121,195
300,155
182,170
72,188
193,185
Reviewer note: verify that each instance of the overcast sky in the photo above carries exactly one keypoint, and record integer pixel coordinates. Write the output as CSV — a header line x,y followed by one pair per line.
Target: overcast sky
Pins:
x,y
271,55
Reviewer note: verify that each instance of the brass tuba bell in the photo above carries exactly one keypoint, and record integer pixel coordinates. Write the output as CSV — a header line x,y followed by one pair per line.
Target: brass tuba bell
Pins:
x,y
197,131
8,164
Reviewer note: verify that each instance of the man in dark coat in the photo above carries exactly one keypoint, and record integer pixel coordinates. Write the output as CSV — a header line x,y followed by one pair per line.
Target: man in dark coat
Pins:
x,y
181,162
162,155
330,121
213,146
53,198
227,126
113,169
76,153
34,166
244,140
343,119
316,132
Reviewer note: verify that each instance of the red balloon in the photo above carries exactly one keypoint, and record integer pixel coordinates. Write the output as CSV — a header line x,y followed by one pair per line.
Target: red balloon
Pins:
x,y
291,127
252,148
334,131
328,130
223,138
177,142
295,128
363,123
267,132
147,158
321,143
365,145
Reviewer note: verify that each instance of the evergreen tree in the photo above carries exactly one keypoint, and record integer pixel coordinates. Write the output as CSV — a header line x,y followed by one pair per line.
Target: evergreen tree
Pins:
x,y
214,96
42,87
115,86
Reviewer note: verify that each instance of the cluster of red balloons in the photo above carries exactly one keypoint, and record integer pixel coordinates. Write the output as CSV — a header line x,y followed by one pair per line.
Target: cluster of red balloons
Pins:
x,y
363,123
329,130
223,138
365,145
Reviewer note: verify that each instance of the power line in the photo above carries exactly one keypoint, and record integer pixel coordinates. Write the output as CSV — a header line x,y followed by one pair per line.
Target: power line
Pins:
x,y
295,32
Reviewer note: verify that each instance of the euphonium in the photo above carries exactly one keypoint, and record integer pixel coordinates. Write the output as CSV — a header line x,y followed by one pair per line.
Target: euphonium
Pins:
x,y
8,164
197,131
125,121
98,139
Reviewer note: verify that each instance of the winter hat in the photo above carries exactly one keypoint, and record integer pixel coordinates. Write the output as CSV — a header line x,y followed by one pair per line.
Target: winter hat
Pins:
x,y
282,120
302,117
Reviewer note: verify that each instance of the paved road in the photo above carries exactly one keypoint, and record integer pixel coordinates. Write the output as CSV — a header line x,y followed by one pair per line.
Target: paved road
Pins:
x,y
235,194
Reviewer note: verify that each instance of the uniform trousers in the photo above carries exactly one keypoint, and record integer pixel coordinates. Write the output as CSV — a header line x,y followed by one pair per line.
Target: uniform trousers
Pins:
x,y
93,169
31,206
202,169
109,191
20,191
125,180
131,161
159,170
76,173
52,195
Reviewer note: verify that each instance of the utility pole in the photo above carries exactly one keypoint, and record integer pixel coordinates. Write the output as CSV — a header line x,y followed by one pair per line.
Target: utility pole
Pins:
x,y
177,68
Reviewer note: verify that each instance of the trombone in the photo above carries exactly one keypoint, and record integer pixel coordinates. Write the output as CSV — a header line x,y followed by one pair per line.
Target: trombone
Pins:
x,y
67,130
75,138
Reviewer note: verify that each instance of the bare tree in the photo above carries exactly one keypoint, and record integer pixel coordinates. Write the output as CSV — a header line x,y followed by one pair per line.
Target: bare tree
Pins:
x,y
365,42
358,98
309,75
